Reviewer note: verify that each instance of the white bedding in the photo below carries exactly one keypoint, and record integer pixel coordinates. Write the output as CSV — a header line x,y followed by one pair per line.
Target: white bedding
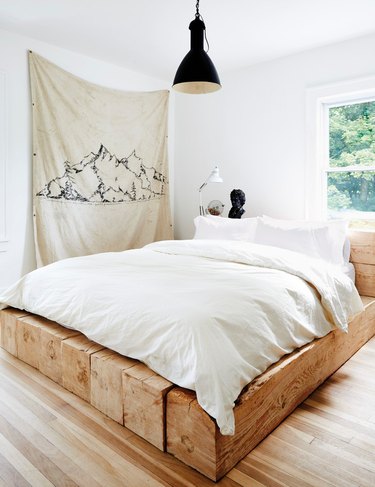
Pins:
x,y
207,315
349,270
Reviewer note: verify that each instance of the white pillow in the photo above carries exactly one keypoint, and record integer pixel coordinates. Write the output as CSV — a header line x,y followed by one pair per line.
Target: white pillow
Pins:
x,y
331,246
303,240
219,228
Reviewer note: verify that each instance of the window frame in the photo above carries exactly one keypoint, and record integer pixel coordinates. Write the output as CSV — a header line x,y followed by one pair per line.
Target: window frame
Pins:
x,y
318,102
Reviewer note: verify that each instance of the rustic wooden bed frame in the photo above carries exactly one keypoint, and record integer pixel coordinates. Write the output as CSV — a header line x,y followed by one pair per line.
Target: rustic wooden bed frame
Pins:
x,y
168,416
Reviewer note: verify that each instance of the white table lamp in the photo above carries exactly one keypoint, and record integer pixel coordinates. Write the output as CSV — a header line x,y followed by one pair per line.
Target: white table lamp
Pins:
x,y
214,177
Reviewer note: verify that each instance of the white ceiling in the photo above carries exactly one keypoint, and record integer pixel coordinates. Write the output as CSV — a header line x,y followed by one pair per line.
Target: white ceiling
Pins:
x,y
152,36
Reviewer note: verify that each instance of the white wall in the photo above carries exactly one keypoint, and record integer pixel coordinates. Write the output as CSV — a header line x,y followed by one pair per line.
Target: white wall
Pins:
x,y
19,255
254,129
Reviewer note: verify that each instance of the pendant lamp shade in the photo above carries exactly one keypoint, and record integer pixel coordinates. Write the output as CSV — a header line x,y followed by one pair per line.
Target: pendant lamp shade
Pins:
x,y
196,73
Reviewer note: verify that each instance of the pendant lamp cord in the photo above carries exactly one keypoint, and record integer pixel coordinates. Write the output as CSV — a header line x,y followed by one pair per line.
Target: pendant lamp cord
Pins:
x,y
197,9
198,16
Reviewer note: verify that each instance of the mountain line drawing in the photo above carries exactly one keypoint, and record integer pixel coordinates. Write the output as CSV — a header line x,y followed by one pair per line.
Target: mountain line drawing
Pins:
x,y
103,178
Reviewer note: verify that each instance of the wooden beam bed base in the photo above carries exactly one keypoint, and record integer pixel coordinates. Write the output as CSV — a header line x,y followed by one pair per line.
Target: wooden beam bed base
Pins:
x,y
168,416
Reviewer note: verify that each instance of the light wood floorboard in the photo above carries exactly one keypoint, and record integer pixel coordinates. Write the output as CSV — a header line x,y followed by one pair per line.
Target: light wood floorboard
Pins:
x,y
49,437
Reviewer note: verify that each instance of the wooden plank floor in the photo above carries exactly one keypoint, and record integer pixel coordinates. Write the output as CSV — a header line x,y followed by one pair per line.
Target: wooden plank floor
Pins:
x,y
49,437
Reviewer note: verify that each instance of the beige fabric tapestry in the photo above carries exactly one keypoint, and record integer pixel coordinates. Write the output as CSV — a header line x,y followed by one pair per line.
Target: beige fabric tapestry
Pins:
x,y
100,170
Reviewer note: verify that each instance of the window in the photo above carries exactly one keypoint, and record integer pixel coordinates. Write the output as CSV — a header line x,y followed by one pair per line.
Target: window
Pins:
x,y
350,174
340,157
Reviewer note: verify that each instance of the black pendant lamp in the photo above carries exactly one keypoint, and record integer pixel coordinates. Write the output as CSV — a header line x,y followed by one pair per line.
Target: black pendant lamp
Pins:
x,y
196,73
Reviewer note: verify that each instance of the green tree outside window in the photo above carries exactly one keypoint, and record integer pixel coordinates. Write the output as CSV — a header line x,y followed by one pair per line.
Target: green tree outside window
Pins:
x,y
352,146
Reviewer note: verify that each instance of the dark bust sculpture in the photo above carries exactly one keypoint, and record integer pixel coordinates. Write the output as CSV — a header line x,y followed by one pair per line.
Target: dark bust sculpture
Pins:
x,y
237,197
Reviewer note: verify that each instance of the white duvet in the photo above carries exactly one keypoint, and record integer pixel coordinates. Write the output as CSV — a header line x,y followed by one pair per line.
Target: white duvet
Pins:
x,y
207,315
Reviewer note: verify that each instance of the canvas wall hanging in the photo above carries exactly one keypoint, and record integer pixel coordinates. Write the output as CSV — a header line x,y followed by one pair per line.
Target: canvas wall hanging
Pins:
x,y
100,171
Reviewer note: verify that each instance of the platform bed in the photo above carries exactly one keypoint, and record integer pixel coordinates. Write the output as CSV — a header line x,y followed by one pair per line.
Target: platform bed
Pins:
x,y
168,416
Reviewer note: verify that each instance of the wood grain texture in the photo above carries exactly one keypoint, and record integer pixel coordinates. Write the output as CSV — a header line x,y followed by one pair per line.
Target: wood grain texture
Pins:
x,y
49,436
362,247
76,361
106,382
28,338
50,357
193,436
144,394
362,255
8,324
365,279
